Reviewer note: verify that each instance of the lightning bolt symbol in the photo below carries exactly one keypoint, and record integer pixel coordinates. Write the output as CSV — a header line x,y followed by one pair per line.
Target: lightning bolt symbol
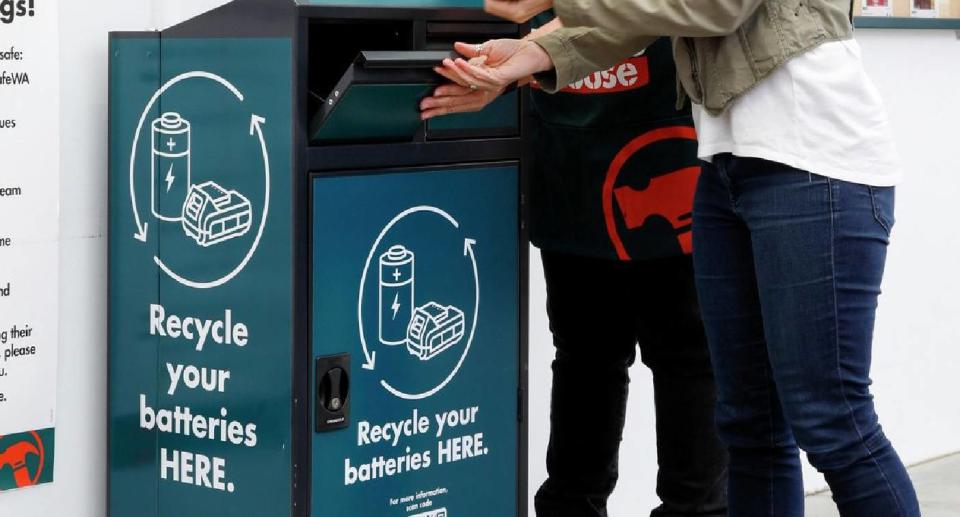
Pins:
x,y
169,179
396,305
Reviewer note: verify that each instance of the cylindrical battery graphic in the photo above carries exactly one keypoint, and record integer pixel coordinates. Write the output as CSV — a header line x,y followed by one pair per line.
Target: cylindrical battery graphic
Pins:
x,y
397,283
170,166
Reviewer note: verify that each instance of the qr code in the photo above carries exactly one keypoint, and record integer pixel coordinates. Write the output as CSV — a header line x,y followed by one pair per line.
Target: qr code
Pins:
x,y
433,513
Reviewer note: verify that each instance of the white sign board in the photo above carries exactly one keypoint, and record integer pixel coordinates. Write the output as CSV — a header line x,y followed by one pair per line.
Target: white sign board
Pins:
x,y
29,213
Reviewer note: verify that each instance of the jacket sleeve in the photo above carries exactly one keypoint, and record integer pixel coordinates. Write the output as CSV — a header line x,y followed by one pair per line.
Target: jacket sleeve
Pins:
x,y
580,51
583,47
685,18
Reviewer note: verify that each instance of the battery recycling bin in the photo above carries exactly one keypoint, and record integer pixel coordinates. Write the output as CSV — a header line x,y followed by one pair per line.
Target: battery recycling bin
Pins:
x,y
317,302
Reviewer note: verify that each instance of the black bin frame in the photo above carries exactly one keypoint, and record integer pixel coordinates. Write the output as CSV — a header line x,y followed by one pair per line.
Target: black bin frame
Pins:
x,y
285,18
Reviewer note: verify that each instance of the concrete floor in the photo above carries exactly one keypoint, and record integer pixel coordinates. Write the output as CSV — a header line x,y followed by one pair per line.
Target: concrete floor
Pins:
x,y
937,483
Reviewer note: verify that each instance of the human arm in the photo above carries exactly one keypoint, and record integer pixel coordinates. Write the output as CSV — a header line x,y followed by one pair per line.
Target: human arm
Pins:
x,y
687,18
600,33
575,53
457,97
578,52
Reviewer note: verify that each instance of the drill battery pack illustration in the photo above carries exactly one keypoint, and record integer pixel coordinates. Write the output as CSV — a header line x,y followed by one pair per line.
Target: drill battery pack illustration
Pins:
x,y
212,214
433,329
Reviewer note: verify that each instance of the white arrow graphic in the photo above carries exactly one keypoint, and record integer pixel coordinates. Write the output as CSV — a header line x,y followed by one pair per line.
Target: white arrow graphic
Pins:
x,y
371,360
255,128
255,122
141,234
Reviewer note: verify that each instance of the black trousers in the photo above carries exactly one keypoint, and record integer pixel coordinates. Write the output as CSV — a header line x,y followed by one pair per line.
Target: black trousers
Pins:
x,y
600,310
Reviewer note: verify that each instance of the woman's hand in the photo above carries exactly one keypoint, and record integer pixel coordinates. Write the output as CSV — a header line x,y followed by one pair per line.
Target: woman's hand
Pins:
x,y
495,64
517,11
466,94
453,98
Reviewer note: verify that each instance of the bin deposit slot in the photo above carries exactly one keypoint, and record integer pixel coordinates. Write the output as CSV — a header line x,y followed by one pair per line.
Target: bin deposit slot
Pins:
x,y
442,35
334,45
378,98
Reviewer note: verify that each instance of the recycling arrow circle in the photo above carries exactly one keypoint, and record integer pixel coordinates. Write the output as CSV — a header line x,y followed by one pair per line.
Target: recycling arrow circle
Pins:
x,y
370,356
256,129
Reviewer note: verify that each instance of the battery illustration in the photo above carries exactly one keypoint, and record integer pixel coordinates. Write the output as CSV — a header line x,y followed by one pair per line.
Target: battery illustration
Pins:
x,y
213,214
170,166
396,294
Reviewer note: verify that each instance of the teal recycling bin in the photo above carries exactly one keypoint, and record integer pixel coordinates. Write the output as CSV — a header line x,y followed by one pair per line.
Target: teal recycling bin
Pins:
x,y
317,302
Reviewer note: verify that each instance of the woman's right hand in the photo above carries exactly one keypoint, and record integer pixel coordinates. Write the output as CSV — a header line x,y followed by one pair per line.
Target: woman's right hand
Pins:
x,y
453,98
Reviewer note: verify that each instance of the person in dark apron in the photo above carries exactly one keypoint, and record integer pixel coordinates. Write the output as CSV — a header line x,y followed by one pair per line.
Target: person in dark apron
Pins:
x,y
613,169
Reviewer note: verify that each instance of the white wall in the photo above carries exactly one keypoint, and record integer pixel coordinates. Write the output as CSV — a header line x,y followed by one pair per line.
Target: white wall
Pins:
x,y
916,358
80,470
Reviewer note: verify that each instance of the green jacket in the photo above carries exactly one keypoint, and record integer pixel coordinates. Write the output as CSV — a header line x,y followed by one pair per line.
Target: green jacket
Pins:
x,y
722,48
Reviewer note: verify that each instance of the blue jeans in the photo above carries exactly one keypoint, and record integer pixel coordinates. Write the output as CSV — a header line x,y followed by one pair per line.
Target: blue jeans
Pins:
x,y
788,267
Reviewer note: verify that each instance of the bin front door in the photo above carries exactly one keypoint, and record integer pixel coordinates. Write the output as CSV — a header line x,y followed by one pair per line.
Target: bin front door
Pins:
x,y
416,277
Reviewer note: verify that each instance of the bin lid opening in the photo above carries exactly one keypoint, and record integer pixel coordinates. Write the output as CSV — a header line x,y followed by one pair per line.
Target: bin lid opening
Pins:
x,y
378,97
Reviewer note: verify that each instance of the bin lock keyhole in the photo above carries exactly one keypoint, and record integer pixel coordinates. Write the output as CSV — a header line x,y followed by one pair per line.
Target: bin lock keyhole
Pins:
x,y
332,392
335,388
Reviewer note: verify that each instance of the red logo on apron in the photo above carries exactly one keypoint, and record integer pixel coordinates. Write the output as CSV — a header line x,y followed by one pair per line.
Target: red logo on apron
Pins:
x,y
669,196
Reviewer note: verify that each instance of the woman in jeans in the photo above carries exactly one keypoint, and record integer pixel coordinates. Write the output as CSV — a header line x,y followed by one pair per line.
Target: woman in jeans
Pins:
x,y
791,223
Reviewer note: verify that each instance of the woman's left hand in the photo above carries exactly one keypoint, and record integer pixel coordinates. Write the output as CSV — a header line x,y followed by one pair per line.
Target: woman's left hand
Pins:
x,y
505,63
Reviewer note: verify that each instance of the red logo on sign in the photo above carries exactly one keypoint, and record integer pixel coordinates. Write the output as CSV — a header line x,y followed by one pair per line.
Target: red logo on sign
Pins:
x,y
16,456
669,196
629,75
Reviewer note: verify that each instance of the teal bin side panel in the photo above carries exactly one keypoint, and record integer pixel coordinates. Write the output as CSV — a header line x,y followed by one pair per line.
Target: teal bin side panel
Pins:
x,y
241,122
458,228
134,64
215,168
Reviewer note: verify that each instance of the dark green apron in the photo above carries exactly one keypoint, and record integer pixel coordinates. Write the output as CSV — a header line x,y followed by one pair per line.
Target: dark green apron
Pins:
x,y
613,163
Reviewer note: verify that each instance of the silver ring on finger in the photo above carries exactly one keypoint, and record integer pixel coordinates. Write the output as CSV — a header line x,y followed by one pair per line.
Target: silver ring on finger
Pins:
x,y
479,49
474,87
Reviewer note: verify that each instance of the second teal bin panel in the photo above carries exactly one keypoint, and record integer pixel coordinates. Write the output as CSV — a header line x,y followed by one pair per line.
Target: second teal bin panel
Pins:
x,y
416,276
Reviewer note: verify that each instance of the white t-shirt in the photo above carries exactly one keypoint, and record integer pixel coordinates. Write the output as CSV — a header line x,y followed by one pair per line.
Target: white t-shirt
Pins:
x,y
819,112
